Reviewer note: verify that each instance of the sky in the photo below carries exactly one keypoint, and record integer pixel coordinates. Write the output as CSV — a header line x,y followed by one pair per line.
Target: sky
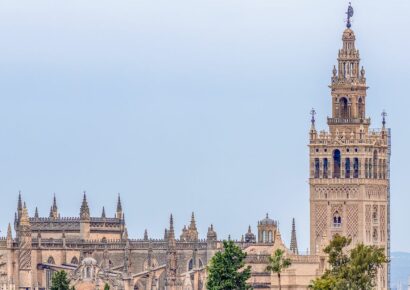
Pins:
x,y
185,106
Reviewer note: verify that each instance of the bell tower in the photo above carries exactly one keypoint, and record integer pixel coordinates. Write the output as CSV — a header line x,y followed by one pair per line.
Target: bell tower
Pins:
x,y
349,163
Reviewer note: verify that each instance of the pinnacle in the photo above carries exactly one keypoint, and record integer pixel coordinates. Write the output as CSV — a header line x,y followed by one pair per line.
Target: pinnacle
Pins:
x,y
119,205
103,212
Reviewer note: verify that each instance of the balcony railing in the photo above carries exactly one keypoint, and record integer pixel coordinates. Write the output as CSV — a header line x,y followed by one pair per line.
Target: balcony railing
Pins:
x,y
335,121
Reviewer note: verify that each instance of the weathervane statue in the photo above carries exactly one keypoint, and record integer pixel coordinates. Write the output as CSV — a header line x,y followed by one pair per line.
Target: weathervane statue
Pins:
x,y
349,15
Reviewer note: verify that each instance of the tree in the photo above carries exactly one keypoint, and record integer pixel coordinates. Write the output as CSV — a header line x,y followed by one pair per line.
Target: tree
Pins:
x,y
278,263
106,286
227,270
355,269
59,281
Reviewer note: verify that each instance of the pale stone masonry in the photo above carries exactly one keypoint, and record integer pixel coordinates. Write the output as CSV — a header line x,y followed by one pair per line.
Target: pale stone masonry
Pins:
x,y
349,195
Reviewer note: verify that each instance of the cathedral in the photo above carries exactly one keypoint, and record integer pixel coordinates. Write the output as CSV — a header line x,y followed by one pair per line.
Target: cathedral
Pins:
x,y
349,195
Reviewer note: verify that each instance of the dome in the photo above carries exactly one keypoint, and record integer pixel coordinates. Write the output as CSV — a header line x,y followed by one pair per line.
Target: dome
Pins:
x,y
267,221
89,262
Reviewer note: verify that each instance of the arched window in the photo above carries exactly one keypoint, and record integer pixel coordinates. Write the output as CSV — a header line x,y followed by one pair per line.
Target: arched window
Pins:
x,y
360,108
49,272
337,220
74,261
50,260
317,168
343,108
336,163
190,264
270,237
375,164
356,168
104,240
347,168
325,166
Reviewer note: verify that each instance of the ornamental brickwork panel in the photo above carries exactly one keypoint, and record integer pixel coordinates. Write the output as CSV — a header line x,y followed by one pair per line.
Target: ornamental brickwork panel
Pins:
x,y
321,219
352,220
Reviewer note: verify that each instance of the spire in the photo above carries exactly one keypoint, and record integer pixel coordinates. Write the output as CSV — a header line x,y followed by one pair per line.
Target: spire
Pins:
x,y
192,226
145,235
103,213
36,213
19,203
24,220
9,232
119,214
54,203
293,240
171,233
119,205
84,210
54,208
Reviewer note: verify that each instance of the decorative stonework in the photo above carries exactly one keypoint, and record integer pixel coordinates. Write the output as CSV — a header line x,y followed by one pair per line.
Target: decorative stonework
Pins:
x,y
336,192
321,220
352,220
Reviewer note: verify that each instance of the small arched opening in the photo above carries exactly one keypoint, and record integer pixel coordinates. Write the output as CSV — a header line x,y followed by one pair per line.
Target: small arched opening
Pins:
x,y
337,220
336,163
343,108
375,165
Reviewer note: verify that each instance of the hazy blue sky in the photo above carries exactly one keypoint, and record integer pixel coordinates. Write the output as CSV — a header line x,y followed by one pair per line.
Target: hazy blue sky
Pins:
x,y
187,106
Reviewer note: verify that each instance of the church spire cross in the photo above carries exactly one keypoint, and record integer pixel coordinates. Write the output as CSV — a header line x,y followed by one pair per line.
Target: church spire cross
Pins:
x,y
349,14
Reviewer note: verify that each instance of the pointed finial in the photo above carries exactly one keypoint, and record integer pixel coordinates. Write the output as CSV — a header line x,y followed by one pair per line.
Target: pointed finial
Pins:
x,y
312,120
349,14
36,213
293,240
249,229
171,233
19,203
125,235
267,215
9,232
84,210
145,235
103,213
119,205
55,202
384,115
193,222
25,220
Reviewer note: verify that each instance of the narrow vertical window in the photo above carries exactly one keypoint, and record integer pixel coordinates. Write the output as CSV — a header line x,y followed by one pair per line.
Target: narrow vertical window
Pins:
x,y
347,168
356,168
336,163
375,164
317,168
325,166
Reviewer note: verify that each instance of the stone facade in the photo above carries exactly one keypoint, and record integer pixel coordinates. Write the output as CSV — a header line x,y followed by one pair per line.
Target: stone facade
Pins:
x,y
349,164
349,195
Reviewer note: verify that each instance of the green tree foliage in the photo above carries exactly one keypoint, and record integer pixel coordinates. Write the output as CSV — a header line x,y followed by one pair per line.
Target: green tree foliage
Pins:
x,y
278,263
106,286
59,281
227,270
355,269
